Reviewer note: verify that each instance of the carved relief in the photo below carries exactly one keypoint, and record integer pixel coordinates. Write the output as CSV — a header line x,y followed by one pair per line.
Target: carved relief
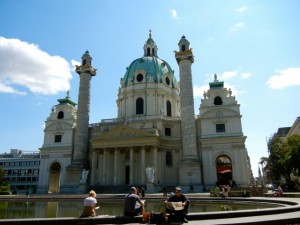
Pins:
x,y
123,131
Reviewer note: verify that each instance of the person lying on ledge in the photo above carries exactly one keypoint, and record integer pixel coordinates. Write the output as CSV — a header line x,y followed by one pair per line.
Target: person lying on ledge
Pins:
x,y
133,205
177,211
89,204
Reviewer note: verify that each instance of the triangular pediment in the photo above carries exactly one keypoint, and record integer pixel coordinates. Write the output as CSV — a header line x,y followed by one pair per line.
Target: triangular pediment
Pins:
x,y
124,136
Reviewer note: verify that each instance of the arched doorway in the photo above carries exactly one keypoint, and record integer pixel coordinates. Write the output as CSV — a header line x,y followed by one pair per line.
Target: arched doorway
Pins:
x,y
54,177
224,170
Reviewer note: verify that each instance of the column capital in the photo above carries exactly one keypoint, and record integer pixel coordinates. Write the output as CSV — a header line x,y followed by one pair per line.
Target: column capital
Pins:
x,y
184,55
85,69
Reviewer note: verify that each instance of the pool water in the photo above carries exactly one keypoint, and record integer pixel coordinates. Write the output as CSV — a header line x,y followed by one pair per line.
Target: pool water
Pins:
x,y
73,208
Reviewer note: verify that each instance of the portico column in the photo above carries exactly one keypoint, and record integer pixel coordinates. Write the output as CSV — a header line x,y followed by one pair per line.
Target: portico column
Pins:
x,y
104,167
131,165
155,163
143,164
116,165
94,172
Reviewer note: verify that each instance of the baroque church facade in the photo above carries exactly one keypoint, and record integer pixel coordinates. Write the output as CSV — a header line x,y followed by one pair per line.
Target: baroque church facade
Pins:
x,y
156,129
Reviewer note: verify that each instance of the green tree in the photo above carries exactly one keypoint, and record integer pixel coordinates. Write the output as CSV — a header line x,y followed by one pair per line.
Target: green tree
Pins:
x,y
278,159
294,154
284,158
4,182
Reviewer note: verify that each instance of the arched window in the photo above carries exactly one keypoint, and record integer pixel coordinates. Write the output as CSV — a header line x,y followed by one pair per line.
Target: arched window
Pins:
x,y
167,81
139,106
224,170
169,158
60,115
218,100
169,108
183,48
148,51
83,62
55,166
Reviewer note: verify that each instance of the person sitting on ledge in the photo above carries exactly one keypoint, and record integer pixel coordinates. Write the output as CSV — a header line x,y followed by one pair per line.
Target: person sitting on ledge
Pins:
x,y
278,192
133,205
178,214
89,205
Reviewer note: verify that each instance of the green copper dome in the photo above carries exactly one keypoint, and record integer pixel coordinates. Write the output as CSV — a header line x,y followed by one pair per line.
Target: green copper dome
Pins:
x,y
153,67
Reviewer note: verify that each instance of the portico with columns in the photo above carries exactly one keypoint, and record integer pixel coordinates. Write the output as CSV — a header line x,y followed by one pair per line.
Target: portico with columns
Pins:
x,y
121,155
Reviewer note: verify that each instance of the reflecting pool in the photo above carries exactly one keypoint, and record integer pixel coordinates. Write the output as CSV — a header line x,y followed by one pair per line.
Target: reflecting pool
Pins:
x,y
72,208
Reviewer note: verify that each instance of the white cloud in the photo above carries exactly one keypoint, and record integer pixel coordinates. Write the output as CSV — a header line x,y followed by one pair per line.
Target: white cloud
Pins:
x,y
285,78
246,75
174,14
236,27
25,65
75,63
5,88
198,90
227,75
241,9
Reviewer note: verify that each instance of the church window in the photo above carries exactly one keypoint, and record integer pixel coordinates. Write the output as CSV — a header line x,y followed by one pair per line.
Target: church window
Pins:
x,y
220,128
183,48
167,80
167,131
139,106
139,77
153,51
57,138
218,100
169,158
60,115
83,62
169,108
148,51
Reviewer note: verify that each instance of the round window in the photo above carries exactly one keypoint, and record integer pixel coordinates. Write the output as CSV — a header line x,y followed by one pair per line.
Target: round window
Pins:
x,y
139,77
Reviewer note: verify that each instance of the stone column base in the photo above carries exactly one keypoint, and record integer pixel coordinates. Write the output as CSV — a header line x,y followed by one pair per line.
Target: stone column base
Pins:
x,y
190,174
150,188
82,188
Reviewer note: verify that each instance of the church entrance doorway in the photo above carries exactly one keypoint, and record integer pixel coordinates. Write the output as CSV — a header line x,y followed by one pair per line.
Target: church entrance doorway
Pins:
x,y
54,178
224,170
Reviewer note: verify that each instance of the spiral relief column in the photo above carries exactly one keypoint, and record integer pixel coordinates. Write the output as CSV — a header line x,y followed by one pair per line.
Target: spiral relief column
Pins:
x,y
190,165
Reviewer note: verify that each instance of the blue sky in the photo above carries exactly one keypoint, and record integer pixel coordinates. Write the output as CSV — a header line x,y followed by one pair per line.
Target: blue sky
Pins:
x,y
253,46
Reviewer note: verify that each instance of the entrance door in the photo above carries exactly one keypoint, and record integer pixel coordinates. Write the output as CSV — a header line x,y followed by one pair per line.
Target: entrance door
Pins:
x,y
54,178
224,170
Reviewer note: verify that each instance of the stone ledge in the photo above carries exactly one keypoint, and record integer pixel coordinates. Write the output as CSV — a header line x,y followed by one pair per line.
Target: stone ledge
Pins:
x,y
74,220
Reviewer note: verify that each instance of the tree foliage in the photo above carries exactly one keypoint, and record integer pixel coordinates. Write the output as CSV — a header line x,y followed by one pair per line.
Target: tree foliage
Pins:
x,y
284,157
4,182
294,153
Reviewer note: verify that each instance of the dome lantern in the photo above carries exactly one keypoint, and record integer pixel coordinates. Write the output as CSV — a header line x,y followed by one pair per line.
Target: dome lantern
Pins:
x,y
150,48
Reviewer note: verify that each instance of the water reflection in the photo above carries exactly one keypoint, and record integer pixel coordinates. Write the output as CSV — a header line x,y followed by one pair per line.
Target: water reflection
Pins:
x,y
68,208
